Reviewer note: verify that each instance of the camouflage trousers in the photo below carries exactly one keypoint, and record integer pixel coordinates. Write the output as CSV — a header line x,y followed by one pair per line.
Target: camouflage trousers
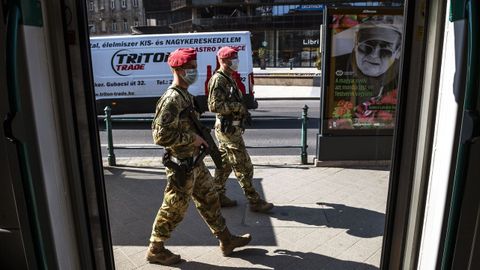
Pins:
x,y
235,157
199,186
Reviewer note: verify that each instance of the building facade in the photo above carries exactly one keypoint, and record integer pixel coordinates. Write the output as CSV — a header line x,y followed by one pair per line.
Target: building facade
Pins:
x,y
114,17
157,12
284,32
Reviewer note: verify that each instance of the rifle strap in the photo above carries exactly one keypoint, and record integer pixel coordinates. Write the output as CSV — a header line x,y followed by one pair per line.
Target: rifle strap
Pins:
x,y
188,100
189,108
161,101
226,77
232,82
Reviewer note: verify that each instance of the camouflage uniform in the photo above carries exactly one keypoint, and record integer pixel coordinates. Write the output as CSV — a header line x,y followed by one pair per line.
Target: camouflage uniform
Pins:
x,y
231,145
176,133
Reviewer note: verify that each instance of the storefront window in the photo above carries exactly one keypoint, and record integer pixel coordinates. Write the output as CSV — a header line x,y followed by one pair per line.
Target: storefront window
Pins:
x,y
298,47
284,9
263,47
282,47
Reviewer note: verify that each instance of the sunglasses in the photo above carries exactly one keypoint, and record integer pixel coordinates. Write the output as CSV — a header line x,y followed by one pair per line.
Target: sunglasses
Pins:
x,y
385,48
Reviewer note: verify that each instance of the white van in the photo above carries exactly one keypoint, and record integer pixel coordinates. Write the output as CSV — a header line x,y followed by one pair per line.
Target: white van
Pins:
x,y
131,72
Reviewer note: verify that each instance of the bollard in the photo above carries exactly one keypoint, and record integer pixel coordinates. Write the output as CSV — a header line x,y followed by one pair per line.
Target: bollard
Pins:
x,y
108,127
304,155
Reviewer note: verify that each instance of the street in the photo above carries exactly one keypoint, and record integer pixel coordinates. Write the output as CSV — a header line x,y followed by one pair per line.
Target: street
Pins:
x,y
276,130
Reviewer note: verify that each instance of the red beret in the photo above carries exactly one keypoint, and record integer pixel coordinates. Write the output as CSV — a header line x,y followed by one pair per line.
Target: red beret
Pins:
x,y
181,56
227,52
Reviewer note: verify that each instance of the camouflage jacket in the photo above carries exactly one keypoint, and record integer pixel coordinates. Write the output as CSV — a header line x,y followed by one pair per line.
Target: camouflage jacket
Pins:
x,y
171,128
220,97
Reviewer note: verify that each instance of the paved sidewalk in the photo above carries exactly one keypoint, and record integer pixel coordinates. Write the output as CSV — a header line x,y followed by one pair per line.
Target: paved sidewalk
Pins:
x,y
286,91
299,71
325,217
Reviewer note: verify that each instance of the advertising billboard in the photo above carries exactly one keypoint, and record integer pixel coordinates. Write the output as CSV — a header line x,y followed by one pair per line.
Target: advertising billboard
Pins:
x,y
361,70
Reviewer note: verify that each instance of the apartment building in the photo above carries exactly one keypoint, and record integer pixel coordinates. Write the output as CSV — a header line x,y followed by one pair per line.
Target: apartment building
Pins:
x,y
114,17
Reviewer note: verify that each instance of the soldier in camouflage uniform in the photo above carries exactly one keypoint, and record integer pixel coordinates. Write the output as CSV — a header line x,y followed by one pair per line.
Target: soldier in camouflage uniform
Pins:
x,y
225,99
174,130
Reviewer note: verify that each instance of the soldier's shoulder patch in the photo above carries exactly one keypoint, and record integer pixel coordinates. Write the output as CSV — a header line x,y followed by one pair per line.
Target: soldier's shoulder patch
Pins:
x,y
169,113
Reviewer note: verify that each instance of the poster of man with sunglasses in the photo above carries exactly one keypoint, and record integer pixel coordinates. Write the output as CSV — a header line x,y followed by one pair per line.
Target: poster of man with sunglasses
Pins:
x,y
363,71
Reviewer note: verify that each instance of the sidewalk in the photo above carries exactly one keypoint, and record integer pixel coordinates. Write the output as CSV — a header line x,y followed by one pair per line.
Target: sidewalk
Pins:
x,y
286,71
325,217
287,90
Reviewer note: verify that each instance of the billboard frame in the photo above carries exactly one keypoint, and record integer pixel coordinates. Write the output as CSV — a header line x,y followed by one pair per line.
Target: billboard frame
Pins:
x,y
326,67
349,144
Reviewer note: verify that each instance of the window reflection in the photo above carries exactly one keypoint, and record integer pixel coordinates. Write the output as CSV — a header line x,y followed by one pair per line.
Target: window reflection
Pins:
x,y
285,48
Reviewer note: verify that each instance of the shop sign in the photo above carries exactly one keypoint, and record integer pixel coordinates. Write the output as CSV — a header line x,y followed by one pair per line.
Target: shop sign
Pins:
x,y
310,7
310,42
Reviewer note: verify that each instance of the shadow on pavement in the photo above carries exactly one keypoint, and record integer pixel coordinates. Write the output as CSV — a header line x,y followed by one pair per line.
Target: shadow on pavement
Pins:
x,y
286,259
120,169
281,259
358,222
205,266
286,166
134,200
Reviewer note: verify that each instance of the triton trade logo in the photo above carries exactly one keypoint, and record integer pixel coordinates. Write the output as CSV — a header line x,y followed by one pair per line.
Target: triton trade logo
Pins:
x,y
124,62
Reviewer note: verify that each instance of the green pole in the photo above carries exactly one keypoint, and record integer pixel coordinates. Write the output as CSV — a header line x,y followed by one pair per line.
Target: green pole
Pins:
x,y
108,126
304,134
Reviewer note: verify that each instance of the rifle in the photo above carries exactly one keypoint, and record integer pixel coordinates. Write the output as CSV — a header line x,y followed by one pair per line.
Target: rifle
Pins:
x,y
247,117
204,132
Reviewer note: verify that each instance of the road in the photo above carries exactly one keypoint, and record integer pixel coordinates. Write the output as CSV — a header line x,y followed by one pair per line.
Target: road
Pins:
x,y
276,129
